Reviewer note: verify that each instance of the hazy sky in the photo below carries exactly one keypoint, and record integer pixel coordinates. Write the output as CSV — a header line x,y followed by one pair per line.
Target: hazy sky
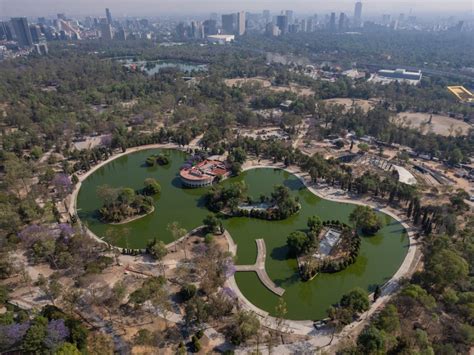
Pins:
x,y
164,7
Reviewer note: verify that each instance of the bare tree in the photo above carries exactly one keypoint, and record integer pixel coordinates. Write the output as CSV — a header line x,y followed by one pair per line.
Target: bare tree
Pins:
x,y
178,232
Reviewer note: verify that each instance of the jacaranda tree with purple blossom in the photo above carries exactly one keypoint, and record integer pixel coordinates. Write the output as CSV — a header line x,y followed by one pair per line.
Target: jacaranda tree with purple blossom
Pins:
x,y
32,233
11,335
66,229
56,333
62,185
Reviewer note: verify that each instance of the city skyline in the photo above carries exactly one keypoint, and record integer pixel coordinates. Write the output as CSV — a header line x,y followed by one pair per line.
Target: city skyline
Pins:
x,y
10,8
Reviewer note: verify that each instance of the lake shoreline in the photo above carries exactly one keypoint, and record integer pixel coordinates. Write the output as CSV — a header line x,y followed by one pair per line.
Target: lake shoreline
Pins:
x,y
131,219
316,190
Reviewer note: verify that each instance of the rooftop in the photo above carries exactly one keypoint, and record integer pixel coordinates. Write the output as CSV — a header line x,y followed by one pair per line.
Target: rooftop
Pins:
x,y
404,175
461,93
207,169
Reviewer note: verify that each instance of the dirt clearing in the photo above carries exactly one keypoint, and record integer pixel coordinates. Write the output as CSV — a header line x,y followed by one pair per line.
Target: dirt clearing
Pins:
x,y
427,123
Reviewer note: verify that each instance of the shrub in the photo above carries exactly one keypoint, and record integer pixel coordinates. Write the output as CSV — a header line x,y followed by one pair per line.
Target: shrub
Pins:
x,y
187,292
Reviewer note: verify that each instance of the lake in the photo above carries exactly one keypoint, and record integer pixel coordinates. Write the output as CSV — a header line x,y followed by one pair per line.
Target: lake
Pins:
x,y
379,258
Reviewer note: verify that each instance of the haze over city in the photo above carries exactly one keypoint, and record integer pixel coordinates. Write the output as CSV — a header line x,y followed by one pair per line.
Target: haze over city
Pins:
x,y
190,7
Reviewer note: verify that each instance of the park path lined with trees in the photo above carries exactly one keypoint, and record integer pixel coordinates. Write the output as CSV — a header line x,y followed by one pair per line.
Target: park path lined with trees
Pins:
x,y
321,337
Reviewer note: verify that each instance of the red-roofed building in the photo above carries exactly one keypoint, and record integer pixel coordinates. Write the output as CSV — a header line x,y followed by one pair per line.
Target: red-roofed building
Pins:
x,y
204,173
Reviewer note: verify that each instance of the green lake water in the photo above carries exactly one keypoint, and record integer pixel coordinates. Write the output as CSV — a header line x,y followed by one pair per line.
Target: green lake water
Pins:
x,y
379,258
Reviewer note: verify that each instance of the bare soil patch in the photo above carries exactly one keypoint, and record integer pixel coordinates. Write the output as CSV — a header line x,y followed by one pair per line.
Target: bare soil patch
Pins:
x,y
265,83
241,81
442,125
365,105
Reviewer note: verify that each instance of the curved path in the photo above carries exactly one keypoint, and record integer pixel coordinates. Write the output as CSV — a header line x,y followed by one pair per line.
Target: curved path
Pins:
x,y
322,337
319,338
259,268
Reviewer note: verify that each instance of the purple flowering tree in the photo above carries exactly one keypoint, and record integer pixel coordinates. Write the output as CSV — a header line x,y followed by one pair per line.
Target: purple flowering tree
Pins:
x,y
66,230
12,334
32,233
200,249
62,184
106,140
228,267
56,333
228,292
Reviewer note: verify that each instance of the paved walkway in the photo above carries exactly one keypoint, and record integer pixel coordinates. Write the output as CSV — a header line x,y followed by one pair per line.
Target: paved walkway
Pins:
x,y
319,338
259,268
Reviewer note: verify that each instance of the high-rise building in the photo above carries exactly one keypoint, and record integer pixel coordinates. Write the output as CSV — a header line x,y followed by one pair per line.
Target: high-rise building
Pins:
x,y
302,25
342,21
106,31
358,14
266,16
209,27
289,15
41,48
229,23
22,31
272,30
241,23
35,33
197,30
181,30
62,17
294,28
6,31
332,22
109,16
121,35
282,23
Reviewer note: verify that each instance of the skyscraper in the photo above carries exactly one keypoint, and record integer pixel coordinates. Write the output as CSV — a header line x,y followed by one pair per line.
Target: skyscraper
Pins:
x,y
332,22
282,23
240,23
358,14
289,15
121,35
272,30
209,27
106,31
266,16
229,23
197,31
35,33
342,21
108,15
22,31
309,25
5,31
